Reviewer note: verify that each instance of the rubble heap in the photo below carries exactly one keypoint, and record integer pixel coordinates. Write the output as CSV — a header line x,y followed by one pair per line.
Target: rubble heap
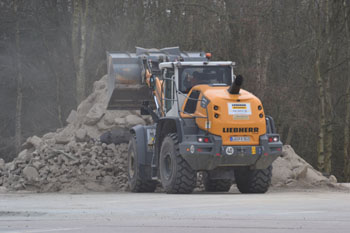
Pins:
x,y
76,167
72,159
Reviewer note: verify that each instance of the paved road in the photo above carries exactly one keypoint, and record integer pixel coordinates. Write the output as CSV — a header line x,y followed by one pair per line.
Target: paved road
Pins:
x,y
316,211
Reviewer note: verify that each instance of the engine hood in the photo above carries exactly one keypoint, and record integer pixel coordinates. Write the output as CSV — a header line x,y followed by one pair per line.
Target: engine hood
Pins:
x,y
231,116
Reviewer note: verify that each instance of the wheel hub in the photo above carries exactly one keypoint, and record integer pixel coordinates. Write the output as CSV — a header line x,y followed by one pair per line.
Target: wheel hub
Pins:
x,y
132,164
167,166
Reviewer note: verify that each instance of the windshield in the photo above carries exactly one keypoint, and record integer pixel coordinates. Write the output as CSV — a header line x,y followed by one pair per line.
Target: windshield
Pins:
x,y
190,76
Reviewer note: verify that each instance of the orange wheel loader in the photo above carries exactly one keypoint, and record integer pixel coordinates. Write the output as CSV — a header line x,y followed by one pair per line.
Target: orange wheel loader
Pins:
x,y
203,122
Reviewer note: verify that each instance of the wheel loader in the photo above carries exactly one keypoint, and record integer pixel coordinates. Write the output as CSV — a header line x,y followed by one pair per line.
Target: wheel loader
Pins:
x,y
203,122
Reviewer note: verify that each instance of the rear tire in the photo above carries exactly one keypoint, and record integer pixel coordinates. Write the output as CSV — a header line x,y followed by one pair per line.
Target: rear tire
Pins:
x,y
221,185
176,174
253,181
136,183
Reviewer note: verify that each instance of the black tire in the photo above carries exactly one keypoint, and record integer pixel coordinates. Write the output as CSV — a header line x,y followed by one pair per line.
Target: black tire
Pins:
x,y
176,174
136,183
221,185
253,181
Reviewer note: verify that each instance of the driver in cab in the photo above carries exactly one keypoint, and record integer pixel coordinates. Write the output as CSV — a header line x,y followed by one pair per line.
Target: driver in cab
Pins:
x,y
191,80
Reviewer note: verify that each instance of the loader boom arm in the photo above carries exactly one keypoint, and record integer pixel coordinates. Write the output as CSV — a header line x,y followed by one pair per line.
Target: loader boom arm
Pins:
x,y
135,78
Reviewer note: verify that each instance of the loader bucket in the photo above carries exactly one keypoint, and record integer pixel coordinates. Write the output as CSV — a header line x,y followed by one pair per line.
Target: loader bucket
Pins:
x,y
125,88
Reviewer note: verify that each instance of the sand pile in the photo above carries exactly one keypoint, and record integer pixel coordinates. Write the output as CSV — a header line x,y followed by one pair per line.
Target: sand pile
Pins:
x,y
72,159
290,170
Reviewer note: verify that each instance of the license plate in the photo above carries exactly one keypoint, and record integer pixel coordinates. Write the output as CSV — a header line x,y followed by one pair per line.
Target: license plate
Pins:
x,y
239,139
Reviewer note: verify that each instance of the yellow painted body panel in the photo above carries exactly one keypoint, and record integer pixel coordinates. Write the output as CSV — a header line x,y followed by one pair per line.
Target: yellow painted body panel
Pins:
x,y
158,92
230,123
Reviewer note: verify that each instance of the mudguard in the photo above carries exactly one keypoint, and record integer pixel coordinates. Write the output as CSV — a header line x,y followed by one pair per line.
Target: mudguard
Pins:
x,y
143,137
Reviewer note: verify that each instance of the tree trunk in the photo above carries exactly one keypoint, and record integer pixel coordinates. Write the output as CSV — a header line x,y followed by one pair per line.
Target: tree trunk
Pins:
x,y
319,82
328,99
347,129
93,14
325,136
79,35
347,101
262,60
322,117
81,77
75,31
264,49
19,100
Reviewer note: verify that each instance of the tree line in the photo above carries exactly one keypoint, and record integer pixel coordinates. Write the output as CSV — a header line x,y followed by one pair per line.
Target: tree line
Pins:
x,y
294,55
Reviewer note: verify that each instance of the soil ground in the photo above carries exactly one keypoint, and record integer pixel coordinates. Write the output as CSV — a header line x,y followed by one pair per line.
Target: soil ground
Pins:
x,y
279,210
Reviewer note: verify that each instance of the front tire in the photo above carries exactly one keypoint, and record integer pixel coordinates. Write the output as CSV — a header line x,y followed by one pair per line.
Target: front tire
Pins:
x,y
253,181
176,174
136,183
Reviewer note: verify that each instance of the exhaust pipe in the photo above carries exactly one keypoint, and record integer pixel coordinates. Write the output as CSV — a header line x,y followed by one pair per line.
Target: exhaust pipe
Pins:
x,y
236,85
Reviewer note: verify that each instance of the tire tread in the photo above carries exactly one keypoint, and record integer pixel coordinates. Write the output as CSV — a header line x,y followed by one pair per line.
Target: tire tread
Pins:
x,y
185,176
139,185
253,181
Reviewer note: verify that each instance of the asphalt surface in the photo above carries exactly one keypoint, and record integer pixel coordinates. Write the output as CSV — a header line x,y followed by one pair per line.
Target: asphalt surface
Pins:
x,y
303,211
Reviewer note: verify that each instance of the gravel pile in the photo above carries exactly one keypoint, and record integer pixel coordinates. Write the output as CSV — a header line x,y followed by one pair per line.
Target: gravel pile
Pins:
x,y
75,167
72,159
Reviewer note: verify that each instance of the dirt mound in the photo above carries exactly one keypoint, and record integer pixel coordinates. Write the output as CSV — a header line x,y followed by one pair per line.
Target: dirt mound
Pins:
x,y
73,160
290,170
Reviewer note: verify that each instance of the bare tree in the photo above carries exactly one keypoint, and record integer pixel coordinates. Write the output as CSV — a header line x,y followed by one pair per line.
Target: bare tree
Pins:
x,y
79,45
347,98
325,136
19,101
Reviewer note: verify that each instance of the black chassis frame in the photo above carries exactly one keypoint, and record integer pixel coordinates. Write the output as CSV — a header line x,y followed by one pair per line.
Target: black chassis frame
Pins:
x,y
211,157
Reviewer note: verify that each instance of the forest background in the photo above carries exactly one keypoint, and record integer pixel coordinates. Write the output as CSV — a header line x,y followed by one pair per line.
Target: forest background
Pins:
x,y
293,54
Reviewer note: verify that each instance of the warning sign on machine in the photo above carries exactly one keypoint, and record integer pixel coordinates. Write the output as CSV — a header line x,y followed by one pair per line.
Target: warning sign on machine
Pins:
x,y
239,109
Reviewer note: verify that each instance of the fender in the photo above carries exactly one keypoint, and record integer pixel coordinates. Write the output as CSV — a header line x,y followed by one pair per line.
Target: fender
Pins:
x,y
144,153
176,123
165,126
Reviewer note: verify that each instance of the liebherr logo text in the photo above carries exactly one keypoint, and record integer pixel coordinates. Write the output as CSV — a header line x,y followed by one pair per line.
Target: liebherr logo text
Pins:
x,y
240,130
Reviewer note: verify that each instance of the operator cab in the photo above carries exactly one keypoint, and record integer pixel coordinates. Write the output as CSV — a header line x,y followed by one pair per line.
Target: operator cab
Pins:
x,y
190,76
180,77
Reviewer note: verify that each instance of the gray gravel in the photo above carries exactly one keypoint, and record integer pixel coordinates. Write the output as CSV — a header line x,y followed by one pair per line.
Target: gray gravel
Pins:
x,y
312,211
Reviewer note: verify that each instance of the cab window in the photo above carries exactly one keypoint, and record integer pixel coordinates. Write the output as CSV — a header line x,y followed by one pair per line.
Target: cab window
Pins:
x,y
190,76
169,88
